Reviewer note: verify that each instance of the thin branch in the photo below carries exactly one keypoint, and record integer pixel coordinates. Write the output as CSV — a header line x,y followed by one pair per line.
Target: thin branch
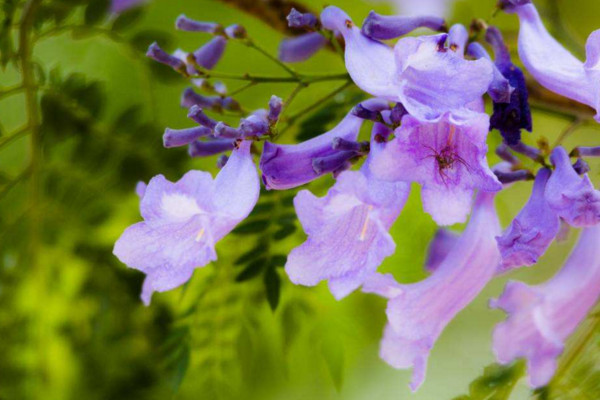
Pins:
x,y
4,141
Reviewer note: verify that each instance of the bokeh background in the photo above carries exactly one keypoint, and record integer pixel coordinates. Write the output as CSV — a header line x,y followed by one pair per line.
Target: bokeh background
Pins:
x,y
71,322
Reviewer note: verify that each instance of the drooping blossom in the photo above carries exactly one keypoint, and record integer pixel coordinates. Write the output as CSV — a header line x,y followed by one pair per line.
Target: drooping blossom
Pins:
x,y
532,230
553,66
420,72
542,317
418,313
184,220
347,229
287,166
573,197
447,157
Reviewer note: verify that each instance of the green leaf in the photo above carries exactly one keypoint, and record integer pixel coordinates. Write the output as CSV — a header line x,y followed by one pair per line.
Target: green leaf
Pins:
x,y
141,40
272,287
249,255
496,383
332,350
252,226
278,260
95,11
251,270
127,18
284,232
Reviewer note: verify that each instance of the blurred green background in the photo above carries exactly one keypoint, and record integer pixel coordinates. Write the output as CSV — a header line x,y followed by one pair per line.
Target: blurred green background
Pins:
x,y
71,322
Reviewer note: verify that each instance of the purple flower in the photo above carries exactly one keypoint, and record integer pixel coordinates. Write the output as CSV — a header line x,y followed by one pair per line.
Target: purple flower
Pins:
x,y
347,229
157,54
301,48
182,137
512,116
573,197
187,24
418,313
441,244
118,6
384,27
209,54
184,220
140,189
210,147
287,166
421,73
533,229
296,19
552,65
447,157
541,317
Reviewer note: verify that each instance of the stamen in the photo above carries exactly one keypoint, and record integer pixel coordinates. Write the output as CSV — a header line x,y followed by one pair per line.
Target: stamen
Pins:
x,y
363,232
200,235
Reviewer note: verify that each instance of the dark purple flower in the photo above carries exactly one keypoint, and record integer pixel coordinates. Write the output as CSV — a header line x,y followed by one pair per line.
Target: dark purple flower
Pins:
x,y
509,118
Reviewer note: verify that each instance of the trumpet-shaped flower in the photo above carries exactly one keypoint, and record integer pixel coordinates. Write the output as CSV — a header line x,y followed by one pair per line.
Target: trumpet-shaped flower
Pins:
x,y
541,317
532,231
572,196
420,72
447,157
184,220
418,313
347,229
553,66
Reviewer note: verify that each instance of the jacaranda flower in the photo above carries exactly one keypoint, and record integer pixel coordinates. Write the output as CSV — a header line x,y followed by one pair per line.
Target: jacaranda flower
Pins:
x,y
541,317
447,156
533,229
551,64
573,197
509,117
420,72
287,166
347,229
418,313
184,220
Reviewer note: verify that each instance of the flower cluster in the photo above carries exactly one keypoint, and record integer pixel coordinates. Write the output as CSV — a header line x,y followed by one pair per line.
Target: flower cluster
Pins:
x,y
429,127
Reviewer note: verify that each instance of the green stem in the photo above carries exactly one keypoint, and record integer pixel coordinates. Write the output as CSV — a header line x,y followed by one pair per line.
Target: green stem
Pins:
x,y
251,44
13,136
11,91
